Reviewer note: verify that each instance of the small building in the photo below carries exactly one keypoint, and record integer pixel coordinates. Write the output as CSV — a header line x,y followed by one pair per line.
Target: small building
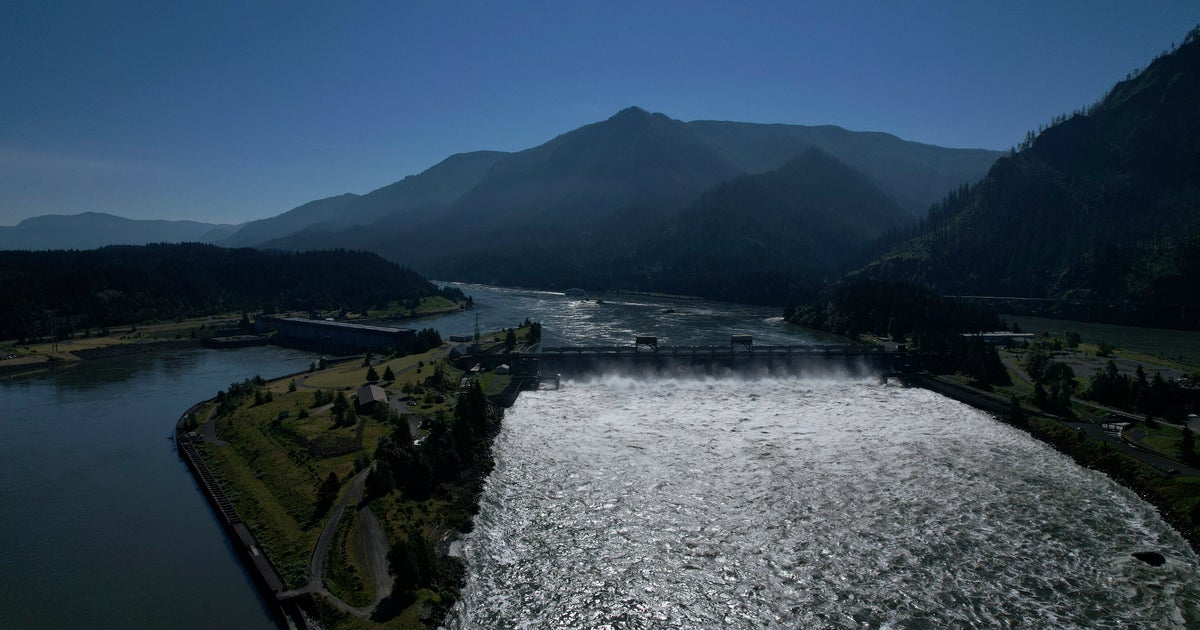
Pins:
x,y
646,340
371,395
1000,337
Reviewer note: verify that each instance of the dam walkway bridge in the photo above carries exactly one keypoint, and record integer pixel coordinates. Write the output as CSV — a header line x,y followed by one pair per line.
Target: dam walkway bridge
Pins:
x,y
736,359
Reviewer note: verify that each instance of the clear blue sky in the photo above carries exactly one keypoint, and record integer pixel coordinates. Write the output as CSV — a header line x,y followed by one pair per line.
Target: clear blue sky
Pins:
x,y
231,111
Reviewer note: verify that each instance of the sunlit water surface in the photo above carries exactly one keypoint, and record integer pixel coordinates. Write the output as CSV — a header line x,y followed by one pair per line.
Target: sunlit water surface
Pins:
x,y
802,503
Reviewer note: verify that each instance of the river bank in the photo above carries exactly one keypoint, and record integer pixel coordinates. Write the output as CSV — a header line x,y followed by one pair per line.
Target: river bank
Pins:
x,y
260,464
1176,500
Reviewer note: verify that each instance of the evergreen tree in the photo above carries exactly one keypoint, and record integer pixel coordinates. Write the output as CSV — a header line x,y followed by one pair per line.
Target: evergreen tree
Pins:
x,y
326,494
388,374
1187,447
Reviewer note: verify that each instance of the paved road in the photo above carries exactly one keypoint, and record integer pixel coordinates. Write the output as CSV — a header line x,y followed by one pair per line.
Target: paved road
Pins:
x,y
208,430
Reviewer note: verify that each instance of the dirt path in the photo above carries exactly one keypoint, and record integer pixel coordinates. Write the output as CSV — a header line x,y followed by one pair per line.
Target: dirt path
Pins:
x,y
371,549
374,551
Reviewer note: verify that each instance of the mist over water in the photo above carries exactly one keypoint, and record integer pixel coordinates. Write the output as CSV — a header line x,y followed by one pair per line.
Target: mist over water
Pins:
x,y
795,503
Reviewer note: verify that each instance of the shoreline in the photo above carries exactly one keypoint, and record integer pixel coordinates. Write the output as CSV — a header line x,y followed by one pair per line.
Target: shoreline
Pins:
x,y
1131,473
287,612
1125,470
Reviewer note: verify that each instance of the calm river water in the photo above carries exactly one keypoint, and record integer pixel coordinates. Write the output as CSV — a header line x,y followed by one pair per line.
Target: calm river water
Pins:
x,y
634,504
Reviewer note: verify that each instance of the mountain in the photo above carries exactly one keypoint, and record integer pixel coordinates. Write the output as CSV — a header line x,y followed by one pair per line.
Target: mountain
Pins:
x,y
425,194
559,208
755,238
320,213
90,230
760,236
1103,205
914,174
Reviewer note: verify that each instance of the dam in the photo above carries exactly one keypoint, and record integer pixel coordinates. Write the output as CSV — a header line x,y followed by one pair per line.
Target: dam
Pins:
x,y
741,357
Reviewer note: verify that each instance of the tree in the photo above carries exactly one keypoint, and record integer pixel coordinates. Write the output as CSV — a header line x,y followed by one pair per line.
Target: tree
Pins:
x,y
388,374
372,375
1073,340
378,482
1059,380
340,404
1016,413
1187,446
510,340
1105,349
1109,386
326,494
1036,361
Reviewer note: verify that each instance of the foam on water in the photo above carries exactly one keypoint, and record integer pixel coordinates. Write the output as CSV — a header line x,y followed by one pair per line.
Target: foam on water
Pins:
x,y
785,503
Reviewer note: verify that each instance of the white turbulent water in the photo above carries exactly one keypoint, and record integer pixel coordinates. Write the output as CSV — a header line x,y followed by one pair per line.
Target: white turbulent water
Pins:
x,y
799,504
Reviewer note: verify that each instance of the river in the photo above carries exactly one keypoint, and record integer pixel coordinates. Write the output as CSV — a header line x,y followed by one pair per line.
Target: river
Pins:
x,y
102,525
814,503
734,504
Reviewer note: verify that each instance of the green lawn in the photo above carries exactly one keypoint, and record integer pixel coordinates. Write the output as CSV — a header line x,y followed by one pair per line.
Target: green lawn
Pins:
x,y
1171,348
1163,438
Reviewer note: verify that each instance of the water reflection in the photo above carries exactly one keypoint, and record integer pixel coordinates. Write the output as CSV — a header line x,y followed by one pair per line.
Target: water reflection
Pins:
x,y
791,503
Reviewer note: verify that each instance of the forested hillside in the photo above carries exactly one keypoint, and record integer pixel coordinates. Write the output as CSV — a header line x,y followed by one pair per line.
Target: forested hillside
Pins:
x,y
129,284
636,202
1102,205
757,238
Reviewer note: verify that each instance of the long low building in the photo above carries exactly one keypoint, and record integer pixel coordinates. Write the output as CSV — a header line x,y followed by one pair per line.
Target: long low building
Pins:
x,y
332,336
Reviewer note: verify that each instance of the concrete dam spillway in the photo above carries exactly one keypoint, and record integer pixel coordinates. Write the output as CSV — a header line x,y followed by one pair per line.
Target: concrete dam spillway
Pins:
x,y
702,361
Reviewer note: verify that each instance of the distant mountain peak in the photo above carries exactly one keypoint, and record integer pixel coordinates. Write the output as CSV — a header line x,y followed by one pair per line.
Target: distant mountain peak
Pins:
x,y
637,115
630,112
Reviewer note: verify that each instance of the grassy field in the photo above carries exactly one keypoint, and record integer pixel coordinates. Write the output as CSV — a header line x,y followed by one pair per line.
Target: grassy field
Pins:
x,y
343,571
429,305
276,460
1171,348
1163,438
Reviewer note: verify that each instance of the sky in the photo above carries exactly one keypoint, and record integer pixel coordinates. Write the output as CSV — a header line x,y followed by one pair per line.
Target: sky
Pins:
x,y
225,112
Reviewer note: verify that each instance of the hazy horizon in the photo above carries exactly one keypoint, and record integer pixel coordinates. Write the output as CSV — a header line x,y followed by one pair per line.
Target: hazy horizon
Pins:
x,y
230,114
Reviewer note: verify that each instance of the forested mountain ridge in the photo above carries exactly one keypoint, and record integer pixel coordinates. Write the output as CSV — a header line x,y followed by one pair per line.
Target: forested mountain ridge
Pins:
x,y
89,230
580,209
129,284
914,174
758,236
425,193
1104,204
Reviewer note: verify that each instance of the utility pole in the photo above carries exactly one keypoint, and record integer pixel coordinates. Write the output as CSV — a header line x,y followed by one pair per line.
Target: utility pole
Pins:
x,y
53,333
